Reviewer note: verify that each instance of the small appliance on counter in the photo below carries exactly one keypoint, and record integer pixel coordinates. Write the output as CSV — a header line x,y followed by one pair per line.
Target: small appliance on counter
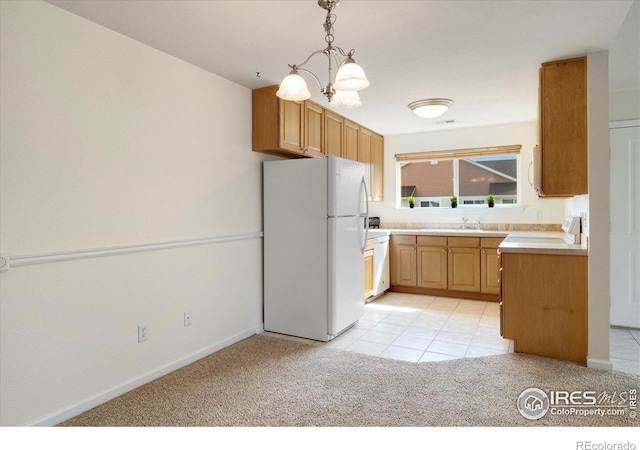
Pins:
x,y
571,226
374,222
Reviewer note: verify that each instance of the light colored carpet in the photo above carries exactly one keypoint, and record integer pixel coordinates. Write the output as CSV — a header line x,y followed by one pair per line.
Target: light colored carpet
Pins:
x,y
267,381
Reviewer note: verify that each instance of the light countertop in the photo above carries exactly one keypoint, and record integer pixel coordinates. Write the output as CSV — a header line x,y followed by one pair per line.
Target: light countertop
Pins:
x,y
537,242
551,243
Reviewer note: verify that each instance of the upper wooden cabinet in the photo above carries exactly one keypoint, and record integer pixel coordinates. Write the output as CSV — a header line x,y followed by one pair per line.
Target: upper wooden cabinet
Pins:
x,y
306,129
364,155
376,168
313,130
371,154
562,128
277,124
333,134
351,133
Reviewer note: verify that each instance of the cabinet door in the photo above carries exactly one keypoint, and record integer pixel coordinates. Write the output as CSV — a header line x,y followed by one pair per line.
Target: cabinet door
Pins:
x,y
368,273
364,155
291,126
351,133
377,168
333,134
464,269
490,271
432,267
405,261
313,124
545,304
563,127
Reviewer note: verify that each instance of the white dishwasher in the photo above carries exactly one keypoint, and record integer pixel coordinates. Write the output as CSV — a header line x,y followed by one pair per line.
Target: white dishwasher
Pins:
x,y
381,265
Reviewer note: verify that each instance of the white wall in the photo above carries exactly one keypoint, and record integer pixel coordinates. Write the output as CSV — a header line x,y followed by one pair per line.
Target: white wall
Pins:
x,y
524,134
106,142
598,209
624,58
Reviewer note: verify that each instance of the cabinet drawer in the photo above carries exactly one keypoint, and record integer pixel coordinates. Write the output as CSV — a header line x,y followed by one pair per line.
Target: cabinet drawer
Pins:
x,y
433,241
491,242
404,240
454,241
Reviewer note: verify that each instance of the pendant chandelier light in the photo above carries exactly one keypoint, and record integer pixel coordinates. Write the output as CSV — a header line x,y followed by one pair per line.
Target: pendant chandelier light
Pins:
x,y
342,92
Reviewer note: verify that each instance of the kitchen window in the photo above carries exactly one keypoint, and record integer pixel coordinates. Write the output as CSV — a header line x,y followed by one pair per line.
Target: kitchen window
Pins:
x,y
432,178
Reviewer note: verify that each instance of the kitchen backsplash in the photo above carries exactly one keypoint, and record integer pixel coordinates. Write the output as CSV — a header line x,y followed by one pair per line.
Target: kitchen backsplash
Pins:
x,y
472,225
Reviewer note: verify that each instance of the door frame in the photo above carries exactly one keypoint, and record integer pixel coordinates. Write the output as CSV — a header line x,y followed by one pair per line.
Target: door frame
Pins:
x,y
613,126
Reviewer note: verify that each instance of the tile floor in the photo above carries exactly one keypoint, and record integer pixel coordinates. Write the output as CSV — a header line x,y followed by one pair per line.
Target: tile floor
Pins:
x,y
624,345
420,328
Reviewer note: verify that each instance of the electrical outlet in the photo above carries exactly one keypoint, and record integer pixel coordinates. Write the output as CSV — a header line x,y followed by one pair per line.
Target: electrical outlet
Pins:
x,y
538,214
143,333
187,319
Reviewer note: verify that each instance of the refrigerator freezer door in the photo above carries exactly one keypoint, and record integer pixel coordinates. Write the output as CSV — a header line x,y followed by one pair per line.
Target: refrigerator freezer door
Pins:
x,y
346,274
346,194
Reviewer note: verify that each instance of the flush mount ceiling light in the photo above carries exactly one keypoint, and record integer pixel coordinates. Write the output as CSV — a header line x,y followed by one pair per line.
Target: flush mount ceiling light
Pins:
x,y
430,108
350,78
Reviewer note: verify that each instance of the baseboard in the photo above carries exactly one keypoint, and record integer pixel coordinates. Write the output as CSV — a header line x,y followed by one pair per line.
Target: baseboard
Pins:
x,y
116,391
599,364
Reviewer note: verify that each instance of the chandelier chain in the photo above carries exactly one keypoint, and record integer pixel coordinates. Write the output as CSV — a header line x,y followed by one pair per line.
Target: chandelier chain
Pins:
x,y
328,27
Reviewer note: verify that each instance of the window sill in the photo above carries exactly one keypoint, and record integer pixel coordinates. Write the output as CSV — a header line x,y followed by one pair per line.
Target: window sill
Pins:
x,y
473,208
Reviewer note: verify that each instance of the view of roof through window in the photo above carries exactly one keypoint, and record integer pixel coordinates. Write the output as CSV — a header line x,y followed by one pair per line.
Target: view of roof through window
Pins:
x,y
433,183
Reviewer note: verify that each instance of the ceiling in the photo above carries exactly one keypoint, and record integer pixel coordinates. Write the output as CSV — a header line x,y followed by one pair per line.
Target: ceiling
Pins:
x,y
482,54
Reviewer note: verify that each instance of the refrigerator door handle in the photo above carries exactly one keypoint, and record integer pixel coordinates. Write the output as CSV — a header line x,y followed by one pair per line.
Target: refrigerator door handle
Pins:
x,y
366,215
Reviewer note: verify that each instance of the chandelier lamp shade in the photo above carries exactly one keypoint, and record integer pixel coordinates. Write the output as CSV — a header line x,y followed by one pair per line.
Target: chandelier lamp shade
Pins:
x,y
341,91
430,108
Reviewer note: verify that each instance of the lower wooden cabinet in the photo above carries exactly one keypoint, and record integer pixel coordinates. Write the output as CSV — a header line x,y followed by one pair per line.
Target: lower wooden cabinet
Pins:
x,y
403,260
463,264
544,304
432,262
490,265
453,266
369,269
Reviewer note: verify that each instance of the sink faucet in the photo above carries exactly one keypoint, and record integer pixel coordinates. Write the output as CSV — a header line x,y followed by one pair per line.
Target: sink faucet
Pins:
x,y
464,223
479,226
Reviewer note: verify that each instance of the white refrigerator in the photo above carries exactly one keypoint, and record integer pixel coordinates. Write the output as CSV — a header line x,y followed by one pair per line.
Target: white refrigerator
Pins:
x,y
315,231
